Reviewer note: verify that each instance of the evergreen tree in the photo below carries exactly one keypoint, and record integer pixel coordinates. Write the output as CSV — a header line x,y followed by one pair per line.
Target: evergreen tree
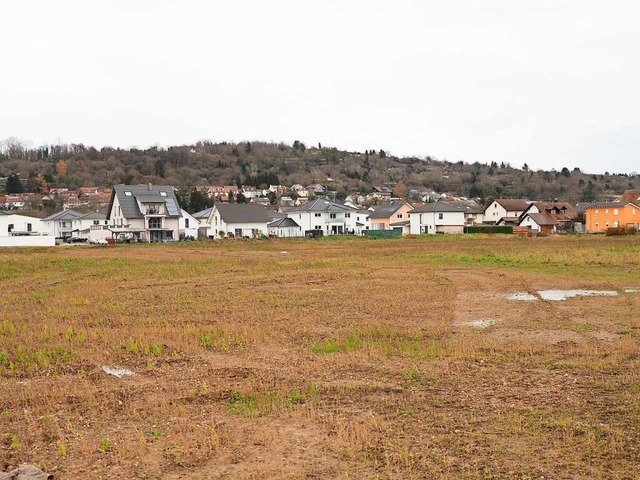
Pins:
x,y
14,185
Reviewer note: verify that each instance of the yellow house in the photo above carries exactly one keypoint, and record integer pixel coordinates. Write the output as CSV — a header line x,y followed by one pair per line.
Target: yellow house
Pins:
x,y
602,215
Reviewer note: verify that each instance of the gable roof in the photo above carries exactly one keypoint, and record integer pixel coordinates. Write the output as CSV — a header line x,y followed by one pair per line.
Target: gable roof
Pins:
x,y
512,204
63,215
284,222
320,205
549,207
437,207
242,213
129,196
542,218
203,213
386,210
93,216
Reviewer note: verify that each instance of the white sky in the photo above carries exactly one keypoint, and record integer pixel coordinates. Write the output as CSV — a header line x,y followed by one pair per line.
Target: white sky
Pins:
x,y
552,83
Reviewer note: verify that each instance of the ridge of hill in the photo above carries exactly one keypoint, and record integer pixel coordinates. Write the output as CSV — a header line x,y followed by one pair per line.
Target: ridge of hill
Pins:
x,y
264,163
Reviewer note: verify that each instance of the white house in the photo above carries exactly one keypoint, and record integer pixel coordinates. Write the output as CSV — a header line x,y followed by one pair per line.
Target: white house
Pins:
x,y
148,213
188,225
320,214
506,208
21,230
92,226
436,217
204,229
285,227
61,224
238,219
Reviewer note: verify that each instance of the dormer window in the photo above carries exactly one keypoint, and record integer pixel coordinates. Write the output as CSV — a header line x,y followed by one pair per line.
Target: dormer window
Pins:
x,y
163,194
127,194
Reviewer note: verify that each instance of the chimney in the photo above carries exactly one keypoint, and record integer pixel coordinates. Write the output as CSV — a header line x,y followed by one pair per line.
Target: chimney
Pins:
x,y
150,187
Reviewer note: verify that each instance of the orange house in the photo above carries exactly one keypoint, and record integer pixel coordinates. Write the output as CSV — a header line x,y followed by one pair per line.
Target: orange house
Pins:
x,y
600,216
391,215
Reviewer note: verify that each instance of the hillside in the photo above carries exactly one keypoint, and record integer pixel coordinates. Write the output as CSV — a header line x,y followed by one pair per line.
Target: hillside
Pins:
x,y
257,163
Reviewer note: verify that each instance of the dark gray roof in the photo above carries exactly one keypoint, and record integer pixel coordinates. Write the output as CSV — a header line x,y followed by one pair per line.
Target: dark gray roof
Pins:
x,y
387,209
284,222
242,213
320,205
93,216
144,194
203,213
437,207
63,215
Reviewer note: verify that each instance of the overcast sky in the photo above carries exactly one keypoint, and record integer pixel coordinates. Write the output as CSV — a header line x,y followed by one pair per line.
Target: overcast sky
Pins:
x,y
550,83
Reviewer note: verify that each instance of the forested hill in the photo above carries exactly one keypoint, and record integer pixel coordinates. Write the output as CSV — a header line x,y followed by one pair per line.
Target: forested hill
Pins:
x,y
260,163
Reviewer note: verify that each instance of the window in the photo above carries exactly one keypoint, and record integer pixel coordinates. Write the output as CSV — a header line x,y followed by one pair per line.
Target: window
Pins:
x,y
64,224
633,211
597,225
155,223
399,215
317,227
440,216
127,194
347,215
96,222
186,223
10,227
28,227
615,224
163,194
615,211
317,215
596,212
606,211
332,215
606,224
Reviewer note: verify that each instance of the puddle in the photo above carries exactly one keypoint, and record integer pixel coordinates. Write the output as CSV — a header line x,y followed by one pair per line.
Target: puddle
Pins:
x,y
522,297
632,290
116,372
482,323
557,295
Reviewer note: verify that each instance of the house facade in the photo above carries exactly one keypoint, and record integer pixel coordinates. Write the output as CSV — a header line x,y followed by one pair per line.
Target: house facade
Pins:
x,y
505,208
188,225
600,216
285,227
329,217
240,220
390,215
540,222
436,217
147,213
22,230
61,224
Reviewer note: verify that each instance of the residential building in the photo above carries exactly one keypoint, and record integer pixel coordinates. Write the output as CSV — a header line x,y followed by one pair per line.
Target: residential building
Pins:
x,y
390,215
188,225
60,224
505,208
437,217
21,230
285,227
603,215
540,222
147,213
320,214
240,220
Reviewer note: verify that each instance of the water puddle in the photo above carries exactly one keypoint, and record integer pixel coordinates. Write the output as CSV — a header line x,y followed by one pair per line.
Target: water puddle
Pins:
x,y
558,295
482,323
116,372
522,297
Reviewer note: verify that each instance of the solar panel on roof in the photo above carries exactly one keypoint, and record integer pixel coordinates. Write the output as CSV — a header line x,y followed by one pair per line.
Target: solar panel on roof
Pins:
x,y
172,208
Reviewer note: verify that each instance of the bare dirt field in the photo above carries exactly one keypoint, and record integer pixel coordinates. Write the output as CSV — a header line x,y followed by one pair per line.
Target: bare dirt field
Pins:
x,y
332,358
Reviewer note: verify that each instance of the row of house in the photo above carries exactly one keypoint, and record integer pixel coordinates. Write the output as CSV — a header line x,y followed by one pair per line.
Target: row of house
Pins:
x,y
151,213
